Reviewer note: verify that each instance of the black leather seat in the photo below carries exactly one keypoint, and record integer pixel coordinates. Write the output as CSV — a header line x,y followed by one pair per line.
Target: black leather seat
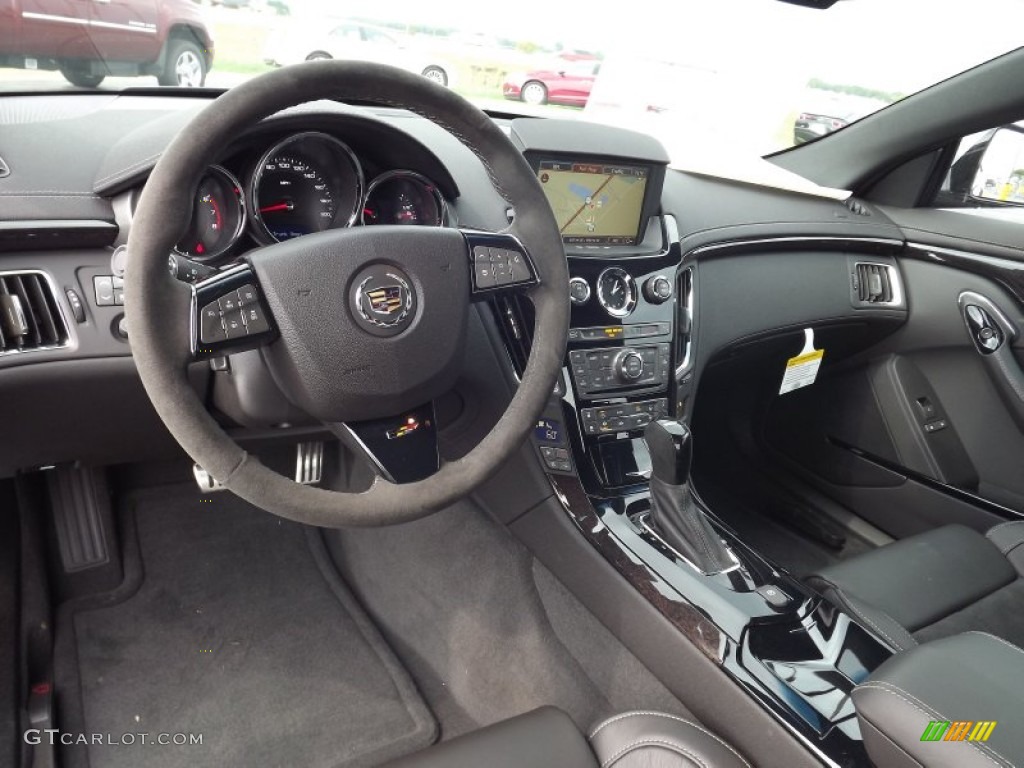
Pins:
x,y
936,584
547,738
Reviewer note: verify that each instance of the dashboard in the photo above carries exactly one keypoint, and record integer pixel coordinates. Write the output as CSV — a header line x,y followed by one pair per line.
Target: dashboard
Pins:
x,y
646,317
284,186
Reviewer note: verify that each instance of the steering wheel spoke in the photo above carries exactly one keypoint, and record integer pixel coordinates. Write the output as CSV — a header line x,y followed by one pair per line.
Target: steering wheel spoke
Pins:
x,y
402,449
499,263
229,313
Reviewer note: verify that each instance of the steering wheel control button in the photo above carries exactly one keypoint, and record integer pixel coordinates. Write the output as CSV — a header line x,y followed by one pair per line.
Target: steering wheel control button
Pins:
x,y
228,303
618,418
498,261
246,295
658,289
777,599
254,319
383,300
483,274
211,326
103,287
234,326
579,291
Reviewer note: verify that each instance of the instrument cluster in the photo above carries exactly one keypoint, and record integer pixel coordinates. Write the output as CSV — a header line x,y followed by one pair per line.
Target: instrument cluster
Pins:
x,y
307,182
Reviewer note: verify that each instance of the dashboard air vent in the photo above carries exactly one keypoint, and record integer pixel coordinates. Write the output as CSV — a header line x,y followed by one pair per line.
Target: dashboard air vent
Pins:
x,y
684,320
30,318
876,284
856,206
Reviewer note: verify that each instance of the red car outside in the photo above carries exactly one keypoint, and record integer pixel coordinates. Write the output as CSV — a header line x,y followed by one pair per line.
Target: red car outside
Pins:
x,y
567,83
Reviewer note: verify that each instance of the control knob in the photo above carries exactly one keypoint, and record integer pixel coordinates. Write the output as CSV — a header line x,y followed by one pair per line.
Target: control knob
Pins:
x,y
579,291
658,289
628,365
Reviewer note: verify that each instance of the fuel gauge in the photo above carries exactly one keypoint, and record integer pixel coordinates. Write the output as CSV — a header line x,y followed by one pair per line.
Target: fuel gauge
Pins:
x,y
403,198
218,215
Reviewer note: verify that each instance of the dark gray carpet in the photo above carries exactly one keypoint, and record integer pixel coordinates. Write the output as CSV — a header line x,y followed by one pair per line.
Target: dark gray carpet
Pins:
x,y
240,631
485,630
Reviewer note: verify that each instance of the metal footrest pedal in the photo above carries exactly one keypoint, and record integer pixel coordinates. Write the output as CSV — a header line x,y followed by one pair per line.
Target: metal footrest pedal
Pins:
x,y
207,483
309,462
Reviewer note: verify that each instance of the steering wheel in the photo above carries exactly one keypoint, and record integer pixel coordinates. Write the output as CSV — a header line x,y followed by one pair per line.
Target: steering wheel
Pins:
x,y
361,328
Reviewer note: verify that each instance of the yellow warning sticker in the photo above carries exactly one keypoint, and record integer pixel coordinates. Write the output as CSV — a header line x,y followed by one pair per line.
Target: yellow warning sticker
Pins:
x,y
802,370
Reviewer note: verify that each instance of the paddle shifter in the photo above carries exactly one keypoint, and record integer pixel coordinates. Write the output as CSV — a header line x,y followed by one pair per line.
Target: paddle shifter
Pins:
x,y
674,513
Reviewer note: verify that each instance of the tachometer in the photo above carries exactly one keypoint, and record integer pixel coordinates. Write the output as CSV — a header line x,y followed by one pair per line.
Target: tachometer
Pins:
x,y
307,183
218,215
403,198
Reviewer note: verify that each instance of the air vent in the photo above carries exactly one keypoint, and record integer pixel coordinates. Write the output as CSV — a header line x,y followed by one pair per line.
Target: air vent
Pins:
x,y
30,318
684,319
876,284
4,170
856,206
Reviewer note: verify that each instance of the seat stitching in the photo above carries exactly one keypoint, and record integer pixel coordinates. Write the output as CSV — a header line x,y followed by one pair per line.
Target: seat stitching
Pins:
x,y
652,743
860,613
667,716
889,739
930,712
995,637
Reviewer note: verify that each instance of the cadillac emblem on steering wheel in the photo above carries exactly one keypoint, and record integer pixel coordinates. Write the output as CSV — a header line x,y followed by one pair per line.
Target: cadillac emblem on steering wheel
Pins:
x,y
384,300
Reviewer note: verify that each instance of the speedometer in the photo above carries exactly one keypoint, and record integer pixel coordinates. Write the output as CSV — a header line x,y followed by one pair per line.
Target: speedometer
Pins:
x,y
307,183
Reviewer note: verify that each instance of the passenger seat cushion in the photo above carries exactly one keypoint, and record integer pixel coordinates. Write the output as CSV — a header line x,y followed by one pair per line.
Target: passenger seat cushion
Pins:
x,y
921,579
973,677
545,736
658,740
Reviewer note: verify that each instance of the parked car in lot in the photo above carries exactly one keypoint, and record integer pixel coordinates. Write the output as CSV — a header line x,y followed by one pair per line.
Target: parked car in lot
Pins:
x,y
87,41
567,82
310,40
831,113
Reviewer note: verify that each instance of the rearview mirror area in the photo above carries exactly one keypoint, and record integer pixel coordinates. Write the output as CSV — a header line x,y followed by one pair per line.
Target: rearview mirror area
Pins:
x,y
1000,172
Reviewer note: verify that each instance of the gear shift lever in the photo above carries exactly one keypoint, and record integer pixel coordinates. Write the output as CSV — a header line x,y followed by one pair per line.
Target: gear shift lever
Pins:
x,y
674,512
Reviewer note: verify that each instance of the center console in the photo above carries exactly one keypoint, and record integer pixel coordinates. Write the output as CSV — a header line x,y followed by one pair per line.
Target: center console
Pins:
x,y
629,364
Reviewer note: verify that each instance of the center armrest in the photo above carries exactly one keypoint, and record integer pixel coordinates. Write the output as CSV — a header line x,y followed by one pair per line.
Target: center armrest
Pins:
x,y
956,702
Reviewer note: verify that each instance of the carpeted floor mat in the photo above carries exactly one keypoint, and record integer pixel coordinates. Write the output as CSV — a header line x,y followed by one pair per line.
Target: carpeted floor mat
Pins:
x,y
232,625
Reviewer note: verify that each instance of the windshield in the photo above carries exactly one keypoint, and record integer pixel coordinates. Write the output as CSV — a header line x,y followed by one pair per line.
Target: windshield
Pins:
x,y
754,76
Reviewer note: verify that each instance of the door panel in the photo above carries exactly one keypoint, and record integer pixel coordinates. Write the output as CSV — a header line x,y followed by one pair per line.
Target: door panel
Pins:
x,y
55,29
125,30
924,401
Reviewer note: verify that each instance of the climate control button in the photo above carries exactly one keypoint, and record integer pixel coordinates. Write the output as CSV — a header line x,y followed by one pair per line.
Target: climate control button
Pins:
x,y
629,365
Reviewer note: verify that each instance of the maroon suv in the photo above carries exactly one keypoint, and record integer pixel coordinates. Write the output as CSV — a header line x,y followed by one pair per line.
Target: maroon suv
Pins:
x,y
88,40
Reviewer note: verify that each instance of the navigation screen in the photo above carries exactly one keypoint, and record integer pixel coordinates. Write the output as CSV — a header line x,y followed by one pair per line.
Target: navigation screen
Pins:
x,y
595,202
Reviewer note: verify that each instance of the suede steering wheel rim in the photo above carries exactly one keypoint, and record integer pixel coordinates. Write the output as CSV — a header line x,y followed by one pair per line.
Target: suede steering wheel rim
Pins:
x,y
163,344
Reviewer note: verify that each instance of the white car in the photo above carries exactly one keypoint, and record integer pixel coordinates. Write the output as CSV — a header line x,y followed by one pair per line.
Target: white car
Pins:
x,y
308,41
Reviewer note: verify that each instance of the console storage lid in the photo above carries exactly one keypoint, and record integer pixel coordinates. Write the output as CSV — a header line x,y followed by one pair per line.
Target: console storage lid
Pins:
x,y
967,681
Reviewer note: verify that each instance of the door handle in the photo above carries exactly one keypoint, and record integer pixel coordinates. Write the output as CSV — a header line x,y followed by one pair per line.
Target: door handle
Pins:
x,y
992,334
